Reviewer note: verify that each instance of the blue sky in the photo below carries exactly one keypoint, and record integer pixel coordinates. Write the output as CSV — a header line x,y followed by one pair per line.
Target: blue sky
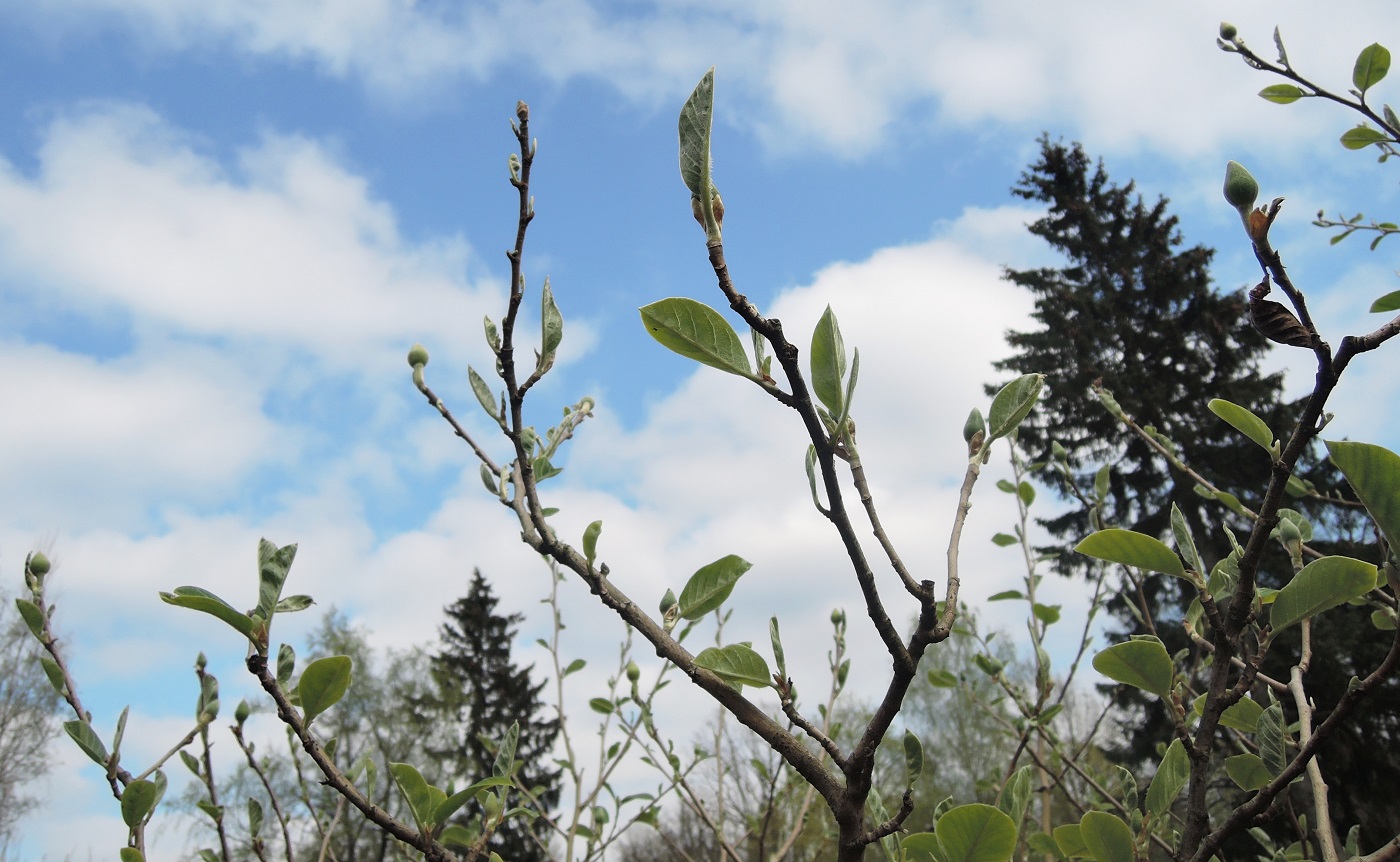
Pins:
x,y
223,223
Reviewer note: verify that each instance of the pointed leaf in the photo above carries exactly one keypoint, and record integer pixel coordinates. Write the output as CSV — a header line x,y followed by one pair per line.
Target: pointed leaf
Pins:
x,y
1243,714
451,804
1142,664
1107,838
1271,736
696,331
590,540
1244,421
273,565
779,657
483,393
88,740
1171,776
255,816
198,599
33,617
1374,473
551,326
416,793
1181,531
1321,585
736,664
921,847
138,799
1282,94
1003,540
828,363
1361,137
292,604
1012,404
1247,771
1016,795
976,833
1131,549
942,679
323,684
1371,66
711,585
1389,302
697,117
505,752
913,758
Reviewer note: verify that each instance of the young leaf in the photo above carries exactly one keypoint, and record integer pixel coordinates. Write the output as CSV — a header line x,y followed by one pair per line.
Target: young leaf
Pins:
x,y
776,640
292,604
590,540
1282,94
697,117
483,393
602,705
1184,543
913,758
1003,540
711,585
551,326
736,664
942,679
828,363
1361,137
1321,585
1106,837
1374,472
131,854
976,833
696,331
1244,421
273,566
138,799
1371,65
416,793
255,816
1141,663
1016,795
199,599
1243,714
323,684
1247,771
33,617
921,847
88,740
1012,404
504,765
1070,840
1389,302
1131,549
1271,736
1171,776
451,804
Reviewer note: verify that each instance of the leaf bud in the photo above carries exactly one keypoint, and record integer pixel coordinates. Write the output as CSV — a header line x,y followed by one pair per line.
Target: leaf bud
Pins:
x,y
1228,31
838,617
974,423
39,564
417,356
200,662
240,714
634,673
1058,452
668,602
1288,532
1241,189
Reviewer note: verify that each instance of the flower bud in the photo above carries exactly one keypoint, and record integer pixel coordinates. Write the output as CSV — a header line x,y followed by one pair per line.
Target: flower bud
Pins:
x,y
1241,189
1228,31
838,617
634,673
417,356
668,602
240,714
39,564
973,424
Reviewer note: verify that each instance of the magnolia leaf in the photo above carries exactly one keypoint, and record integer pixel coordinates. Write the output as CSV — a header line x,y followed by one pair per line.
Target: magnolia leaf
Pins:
x,y
199,599
1131,549
1321,585
1243,714
323,684
736,664
417,793
273,566
1016,794
1282,94
774,638
551,328
292,604
255,816
711,585
33,617
131,854
1005,595
1171,776
1181,531
1272,738
1070,840
88,740
696,331
590,540
1374,473
1003,540
138,799
1244,421
451,804
1012,404
976,833
1361,137
1107,838
483,393
601,705
942,679
828,363
504,765
921,847
1389,302
1141,663
913,758
1247,771
1371,66
696,120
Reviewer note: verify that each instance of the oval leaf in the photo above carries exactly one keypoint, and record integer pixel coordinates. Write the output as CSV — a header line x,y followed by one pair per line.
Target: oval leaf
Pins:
x,y
323,684
138,799
1248,771
913,758
696,331
1321,585
711,585
1360,138
33,617
1374,473
88,740
1282,94
1389,302
736,664
1171,776
976,833
1371,66
1070,840
1107,838
1141,663
1012,404
416,792
1243,714
1244,421
921,847
942,679
1131,549
828,363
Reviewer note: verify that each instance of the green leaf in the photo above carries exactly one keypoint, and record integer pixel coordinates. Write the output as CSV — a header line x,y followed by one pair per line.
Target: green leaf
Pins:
x,y
131,854
774,638
33,617
1003,540
602,705
1016,795
451,804
1243,714
1271,736
942,679
292,604
1131,549
1070,840
828,363
1101,477
1244,421
255,816
417,793
696,121
1012,404
1247,771
1321,585
988,665
551,328
590,540
1171,776
273,566
323,684
736,664
913,758
1361,137
1141,663
711,585
1371,65
1107,838
504,765
976,833
921,847
190,762
1374,473
1042,844
696,331
286,664
1005,595
138,799
1184,543
199,599
54,673
1048,614
88,740
1282,94
483,393
1389,302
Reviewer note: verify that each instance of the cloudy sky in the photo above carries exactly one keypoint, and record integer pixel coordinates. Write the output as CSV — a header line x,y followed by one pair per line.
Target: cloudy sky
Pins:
x,y
223,223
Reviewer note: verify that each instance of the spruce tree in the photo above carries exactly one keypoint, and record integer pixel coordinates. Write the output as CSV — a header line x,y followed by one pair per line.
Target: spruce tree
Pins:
x,y
479,692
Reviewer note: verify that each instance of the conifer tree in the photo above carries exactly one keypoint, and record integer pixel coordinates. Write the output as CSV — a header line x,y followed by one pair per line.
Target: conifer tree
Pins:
x,y
478,693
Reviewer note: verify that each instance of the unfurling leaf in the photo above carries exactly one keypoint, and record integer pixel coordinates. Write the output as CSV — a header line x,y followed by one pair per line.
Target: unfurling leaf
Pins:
x,y
88,740
913,758
551,330
590,540
696,331
696,122
199,599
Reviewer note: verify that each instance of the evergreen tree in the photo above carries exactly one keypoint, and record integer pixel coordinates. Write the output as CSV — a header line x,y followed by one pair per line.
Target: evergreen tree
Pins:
x,y
1134,312
478,693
